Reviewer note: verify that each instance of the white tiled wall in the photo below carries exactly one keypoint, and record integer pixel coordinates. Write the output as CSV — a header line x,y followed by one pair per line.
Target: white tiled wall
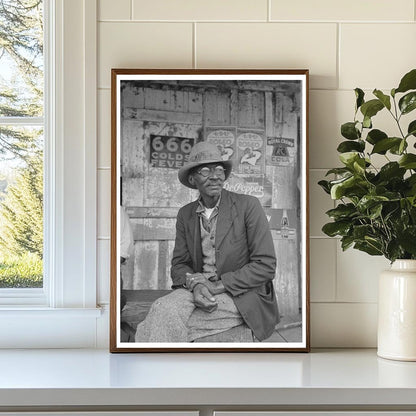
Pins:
x,y
345,44
270,45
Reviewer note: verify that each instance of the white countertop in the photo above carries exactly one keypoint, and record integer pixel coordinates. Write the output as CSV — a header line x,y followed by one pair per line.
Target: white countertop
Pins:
x,y
96,377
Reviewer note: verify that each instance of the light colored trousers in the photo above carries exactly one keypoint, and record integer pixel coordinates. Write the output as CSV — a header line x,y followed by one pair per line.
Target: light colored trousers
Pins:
x,y
174,318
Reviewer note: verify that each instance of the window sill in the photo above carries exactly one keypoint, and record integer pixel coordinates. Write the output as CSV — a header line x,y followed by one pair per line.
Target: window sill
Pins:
x,y
40,327
39,311
22,297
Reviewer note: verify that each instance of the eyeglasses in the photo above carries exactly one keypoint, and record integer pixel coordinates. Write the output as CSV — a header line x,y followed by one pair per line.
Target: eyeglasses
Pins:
x,y
206,171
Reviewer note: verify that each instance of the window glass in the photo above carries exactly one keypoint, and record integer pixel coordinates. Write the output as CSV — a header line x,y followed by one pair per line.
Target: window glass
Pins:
x,y
21,143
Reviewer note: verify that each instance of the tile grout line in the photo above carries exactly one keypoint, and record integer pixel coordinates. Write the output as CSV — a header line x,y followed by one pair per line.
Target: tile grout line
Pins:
x,y
131,9
323,237
338,63
306,22
194,62
318,169
336,272
337,242
345,302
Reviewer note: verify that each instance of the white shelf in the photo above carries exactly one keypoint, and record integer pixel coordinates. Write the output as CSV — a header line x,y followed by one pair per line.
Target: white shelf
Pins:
x,y
324,378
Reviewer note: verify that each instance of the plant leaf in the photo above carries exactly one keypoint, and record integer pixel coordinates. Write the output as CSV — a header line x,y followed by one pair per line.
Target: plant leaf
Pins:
x,y
348,158
393,250
361,231
413,211
408,161
391,170
337,189
375,212
385,99
342,211
371,108
352,186
368,248
354,161
375,243
408,102
412,201
375,136
346,242
369,201
359,94
325,186
342,179
367,122
338,171
391,212
411,182
383,145
398,149
359,165
349,131
407,239
349,146
408,82
411,130
336,228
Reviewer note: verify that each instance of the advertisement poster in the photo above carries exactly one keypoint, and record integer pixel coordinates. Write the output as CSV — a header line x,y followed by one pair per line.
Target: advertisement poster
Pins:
x,y
169,151
281,151
258,186
224,138
250,153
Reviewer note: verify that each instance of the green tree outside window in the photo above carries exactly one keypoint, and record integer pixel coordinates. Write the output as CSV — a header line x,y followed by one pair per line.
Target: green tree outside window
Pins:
x,y
21,143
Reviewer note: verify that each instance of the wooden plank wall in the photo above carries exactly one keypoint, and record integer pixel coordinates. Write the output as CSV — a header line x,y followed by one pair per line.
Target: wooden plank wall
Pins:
x,y
152,196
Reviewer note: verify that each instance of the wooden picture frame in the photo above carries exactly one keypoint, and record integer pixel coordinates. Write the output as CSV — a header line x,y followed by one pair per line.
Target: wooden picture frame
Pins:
x,y
259,120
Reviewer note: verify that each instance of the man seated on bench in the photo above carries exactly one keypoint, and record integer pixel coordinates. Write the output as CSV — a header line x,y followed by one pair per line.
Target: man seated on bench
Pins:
x,y
223,262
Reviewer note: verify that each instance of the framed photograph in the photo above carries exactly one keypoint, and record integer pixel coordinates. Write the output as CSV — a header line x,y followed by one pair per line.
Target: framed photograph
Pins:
x,y
209,211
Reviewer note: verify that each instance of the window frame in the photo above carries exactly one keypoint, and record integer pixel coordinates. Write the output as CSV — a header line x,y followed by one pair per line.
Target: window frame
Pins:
x,y
70,171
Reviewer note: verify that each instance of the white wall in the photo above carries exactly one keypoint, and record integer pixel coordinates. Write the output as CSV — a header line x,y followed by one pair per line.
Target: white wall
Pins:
x,y
345,44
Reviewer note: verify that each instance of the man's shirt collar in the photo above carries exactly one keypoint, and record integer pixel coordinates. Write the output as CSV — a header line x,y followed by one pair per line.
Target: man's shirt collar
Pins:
x,y
201,207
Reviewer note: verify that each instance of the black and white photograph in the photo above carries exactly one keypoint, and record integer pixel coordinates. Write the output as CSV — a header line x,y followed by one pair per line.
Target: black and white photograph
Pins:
x,y
209,211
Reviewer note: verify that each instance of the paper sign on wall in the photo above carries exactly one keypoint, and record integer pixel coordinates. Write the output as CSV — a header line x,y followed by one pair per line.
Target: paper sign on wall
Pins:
x,y
258,186
169,151
250,153
224,139
280,151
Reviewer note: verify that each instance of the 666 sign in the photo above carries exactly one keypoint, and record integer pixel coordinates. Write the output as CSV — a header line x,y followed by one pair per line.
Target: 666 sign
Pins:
x,y
169,151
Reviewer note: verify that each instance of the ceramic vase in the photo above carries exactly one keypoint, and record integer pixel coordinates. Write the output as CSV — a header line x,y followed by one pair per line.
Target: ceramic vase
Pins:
x,y
397,312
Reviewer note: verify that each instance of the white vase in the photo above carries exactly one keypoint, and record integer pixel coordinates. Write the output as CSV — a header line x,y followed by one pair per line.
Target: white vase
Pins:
x,y
397,312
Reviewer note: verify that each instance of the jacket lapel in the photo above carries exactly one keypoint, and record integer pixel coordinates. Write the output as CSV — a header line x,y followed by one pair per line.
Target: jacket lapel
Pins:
x,y
225,218
195,234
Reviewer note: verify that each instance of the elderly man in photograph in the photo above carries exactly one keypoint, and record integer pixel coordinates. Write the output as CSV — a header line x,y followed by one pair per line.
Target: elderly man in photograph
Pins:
x,y
223,263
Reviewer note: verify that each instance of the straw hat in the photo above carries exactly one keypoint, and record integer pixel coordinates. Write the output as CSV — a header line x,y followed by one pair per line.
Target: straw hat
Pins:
x,y
201,154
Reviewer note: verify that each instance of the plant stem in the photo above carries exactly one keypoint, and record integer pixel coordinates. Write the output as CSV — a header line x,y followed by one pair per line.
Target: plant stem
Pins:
x,y
386,230
397,118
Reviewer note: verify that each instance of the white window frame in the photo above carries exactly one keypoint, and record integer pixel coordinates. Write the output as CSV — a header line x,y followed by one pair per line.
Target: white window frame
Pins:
x,y
64,312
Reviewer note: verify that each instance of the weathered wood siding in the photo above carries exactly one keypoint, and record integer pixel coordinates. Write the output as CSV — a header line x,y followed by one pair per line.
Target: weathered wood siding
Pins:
x,y
153,195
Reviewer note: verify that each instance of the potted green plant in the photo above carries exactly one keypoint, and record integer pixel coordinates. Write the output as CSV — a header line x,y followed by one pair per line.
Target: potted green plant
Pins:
x,y
376,206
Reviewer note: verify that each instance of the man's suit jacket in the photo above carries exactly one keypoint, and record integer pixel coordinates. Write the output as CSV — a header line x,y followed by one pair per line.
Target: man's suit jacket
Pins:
x,y
245,258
